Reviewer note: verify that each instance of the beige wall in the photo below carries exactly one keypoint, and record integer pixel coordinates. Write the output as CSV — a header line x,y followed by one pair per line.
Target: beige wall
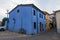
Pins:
x,y
47,16
47,21
58,21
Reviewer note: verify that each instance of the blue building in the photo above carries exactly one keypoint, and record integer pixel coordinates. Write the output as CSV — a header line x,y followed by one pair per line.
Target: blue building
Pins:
x,y
27,17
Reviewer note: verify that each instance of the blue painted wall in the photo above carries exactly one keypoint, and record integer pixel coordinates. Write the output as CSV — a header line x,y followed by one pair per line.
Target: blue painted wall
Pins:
x,y
25,19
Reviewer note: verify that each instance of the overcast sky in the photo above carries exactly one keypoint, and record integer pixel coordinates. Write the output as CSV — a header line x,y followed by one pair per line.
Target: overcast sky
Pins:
x,y
45,5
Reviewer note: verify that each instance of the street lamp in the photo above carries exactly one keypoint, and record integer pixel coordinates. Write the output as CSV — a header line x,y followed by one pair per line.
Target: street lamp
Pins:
x,y
7,19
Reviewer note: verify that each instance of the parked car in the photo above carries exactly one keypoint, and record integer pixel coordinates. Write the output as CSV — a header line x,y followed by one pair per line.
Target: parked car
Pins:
x,y
2,28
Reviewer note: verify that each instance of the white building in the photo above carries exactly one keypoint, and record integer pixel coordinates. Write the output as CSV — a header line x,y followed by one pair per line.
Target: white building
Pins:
x,y
57,15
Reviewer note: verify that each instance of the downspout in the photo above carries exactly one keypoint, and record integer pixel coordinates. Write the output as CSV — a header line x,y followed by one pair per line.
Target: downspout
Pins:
x,y
21,20
37,23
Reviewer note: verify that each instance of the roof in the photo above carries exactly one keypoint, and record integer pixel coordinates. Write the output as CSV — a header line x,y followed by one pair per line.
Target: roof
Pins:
x,y
56,11
46,13
28,5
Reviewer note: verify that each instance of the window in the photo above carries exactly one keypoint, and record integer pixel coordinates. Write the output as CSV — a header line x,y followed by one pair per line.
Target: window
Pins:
x,y
34,25
13,20
18,10
34,12
41,16
44,17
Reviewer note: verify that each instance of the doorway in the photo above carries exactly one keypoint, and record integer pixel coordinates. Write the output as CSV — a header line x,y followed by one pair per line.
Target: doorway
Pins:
x,y
41,27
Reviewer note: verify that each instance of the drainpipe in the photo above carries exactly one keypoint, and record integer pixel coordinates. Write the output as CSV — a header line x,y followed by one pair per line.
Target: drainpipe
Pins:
x,y
21,19
21,22
37,23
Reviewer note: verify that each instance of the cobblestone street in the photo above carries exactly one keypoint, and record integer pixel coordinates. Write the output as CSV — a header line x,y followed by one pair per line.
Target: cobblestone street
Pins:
x,y
51,35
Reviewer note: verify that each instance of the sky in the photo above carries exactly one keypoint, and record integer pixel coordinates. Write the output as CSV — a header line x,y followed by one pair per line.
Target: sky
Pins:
x,y
45,5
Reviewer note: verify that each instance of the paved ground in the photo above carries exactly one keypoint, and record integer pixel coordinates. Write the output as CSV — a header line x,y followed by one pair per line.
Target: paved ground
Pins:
x,y
51,35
